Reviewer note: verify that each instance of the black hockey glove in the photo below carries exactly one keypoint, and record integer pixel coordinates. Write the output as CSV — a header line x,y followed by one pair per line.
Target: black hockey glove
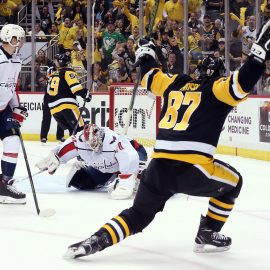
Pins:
x,y
88,97
261,47
146,51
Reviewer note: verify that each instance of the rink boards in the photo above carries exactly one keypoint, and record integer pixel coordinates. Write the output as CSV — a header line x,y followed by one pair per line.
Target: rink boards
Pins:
x,y
246,131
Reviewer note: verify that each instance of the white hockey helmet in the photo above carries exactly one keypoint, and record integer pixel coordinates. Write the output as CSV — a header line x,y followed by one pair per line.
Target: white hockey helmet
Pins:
x,y
12,30
94,136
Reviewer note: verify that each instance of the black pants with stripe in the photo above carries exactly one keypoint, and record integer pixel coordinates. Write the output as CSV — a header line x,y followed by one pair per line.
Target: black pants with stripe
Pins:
x,y
163,178
67,119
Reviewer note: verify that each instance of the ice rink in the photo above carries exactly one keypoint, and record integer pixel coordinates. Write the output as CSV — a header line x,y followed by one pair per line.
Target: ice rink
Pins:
x,y
31,242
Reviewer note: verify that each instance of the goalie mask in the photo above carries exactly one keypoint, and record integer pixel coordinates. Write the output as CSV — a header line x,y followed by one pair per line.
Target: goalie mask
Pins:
x,y
94,136
210,67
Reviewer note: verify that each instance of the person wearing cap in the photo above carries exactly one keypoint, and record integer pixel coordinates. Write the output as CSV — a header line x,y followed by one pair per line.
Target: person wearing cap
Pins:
x,y
214,8
209,34
221,47
109,38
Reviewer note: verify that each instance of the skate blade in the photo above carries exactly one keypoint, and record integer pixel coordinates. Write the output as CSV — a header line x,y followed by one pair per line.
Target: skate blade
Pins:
x,y
8,200
201,248
73,253
47,212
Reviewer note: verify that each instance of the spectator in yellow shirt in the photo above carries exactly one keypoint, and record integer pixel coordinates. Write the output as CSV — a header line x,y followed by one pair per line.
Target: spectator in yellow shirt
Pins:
x,y
149,6
173,9
194,5
134,19
67,36
7,9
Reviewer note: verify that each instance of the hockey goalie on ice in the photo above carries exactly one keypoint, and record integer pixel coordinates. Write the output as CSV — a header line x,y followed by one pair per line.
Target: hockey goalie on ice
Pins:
x,y
107,160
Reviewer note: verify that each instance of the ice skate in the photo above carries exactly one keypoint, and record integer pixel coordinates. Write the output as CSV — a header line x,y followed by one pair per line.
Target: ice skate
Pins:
x,y
208,240
9,194
87,247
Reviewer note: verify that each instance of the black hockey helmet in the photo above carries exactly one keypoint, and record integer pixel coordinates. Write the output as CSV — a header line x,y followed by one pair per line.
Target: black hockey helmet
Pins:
x,y
63,59
210,67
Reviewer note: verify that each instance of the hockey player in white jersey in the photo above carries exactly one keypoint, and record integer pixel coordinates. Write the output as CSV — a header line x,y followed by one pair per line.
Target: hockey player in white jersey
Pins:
x,y
106,154
11,113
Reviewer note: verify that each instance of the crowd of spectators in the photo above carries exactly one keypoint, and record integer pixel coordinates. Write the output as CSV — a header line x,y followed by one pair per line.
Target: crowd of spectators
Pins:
x,y
116,32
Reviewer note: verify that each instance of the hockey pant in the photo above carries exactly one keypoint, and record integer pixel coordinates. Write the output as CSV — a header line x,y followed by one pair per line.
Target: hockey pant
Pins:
x,y
89,178
164,178
68,118
11,143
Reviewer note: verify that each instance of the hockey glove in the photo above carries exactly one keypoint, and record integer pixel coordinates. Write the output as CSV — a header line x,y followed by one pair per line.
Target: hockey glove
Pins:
x,y
86,95
19,114
50,163
261,47
145,51
88,98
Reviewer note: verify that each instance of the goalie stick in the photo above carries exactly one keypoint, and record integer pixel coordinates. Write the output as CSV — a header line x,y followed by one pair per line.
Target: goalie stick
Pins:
x,y
18,180
41,213
138,77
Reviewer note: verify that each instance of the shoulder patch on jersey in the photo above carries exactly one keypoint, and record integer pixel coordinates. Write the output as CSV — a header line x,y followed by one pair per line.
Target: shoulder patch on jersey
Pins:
x,y
72,75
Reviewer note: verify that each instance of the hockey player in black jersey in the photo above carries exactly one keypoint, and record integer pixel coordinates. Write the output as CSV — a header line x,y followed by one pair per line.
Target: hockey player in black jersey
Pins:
x,y
63,87
190,124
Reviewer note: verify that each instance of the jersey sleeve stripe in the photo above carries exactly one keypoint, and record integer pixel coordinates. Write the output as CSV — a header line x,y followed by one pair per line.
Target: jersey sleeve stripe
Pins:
x,y
237,89
75,88
67,148
223,91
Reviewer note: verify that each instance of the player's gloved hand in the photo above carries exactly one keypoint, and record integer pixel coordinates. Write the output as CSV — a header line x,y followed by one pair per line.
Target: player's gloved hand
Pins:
x,y
146,49
50,163
19,114
88,98
261,47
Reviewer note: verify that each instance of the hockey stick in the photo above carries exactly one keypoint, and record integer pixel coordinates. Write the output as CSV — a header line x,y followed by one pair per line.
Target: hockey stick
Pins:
x,y
80,114
138,76
26,177
43,213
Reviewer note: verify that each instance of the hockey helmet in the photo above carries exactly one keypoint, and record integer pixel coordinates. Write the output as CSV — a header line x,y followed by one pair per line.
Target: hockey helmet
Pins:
x,y
12,30
210,67
94,136
63,59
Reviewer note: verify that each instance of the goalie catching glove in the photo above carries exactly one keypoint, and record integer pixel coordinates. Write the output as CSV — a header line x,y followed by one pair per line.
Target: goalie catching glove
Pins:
x,y
122,187
50,163
260,48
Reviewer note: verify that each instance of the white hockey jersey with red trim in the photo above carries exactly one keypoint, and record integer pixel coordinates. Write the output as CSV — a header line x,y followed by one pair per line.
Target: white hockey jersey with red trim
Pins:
x,y
10,68
118,155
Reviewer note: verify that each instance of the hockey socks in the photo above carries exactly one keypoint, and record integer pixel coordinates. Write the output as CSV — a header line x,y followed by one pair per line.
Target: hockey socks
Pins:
x,y
111,233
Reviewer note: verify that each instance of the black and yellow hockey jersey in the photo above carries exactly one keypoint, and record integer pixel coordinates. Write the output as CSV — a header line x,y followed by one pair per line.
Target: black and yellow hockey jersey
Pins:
x,y
63,86
193,113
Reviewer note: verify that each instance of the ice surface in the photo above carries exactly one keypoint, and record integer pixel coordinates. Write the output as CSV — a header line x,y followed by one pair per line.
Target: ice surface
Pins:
x,y
31,242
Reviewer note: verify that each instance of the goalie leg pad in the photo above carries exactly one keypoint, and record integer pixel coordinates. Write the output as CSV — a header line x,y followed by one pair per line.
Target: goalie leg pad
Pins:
x,y
87,178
